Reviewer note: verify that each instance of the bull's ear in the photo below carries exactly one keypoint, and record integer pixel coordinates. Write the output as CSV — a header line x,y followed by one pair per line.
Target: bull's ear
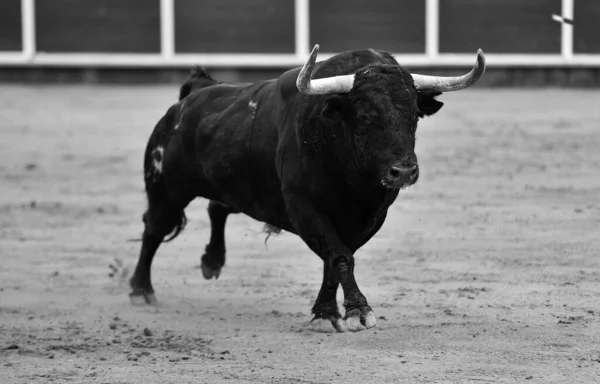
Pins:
x,y
333,107
427,103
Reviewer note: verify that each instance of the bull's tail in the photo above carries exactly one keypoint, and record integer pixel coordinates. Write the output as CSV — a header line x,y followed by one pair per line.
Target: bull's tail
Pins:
x,y
162,215
199,78
179,226
177,229
165,217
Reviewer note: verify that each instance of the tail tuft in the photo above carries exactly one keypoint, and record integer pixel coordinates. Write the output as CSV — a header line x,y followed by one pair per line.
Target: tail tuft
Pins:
x,y
270,230
178,227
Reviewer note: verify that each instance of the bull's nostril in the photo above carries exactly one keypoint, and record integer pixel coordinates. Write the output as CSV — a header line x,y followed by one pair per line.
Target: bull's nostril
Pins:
x,y
395,173
414,173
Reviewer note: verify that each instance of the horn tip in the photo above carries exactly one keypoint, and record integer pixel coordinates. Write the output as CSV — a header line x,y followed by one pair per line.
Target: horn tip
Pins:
x,y
480,57
303,79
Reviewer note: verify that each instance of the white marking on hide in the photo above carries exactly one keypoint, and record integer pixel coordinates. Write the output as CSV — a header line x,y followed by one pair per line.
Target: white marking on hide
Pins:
x,y
253,104
180,113
157,159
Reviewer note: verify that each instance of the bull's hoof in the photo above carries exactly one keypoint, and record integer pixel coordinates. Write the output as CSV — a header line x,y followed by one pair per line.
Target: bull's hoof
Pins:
x,y
209,272
359,319
212,262
328,325
139,298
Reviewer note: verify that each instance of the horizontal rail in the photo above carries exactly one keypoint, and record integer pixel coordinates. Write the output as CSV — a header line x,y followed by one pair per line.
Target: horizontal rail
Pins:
x,y
279,60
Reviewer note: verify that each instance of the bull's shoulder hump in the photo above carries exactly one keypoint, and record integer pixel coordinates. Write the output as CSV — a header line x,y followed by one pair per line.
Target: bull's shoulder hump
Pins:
x,y
219,92
220,97
226,88
351,61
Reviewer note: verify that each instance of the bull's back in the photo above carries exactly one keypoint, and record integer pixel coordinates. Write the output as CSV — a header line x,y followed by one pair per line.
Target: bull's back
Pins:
x,y
225,141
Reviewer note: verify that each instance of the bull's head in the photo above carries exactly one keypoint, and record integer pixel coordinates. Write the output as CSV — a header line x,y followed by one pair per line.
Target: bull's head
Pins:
x,y
380,106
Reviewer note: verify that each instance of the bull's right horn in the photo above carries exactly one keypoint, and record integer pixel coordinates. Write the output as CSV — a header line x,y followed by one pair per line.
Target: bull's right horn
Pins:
x,y
327,85
447,84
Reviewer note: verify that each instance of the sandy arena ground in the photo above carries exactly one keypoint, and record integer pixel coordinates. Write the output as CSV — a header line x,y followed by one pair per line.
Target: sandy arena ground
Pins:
x,y
488,270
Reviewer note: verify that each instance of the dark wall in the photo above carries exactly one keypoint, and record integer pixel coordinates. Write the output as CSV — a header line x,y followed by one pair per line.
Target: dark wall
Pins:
x,y
10,25
340,25
234,26
499,26
586,29
267,26
114,26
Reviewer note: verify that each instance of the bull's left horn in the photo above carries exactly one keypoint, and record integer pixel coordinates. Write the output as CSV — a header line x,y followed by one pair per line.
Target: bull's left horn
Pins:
x,y
335,84
447,84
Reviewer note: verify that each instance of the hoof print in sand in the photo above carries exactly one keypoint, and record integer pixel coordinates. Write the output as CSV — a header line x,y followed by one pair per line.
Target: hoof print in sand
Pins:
x,y
117,270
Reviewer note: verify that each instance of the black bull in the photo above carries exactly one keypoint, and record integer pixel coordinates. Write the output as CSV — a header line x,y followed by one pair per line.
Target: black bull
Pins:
x,y
321,158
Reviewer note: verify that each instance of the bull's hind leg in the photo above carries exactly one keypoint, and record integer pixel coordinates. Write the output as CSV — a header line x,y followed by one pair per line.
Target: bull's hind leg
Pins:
x,y
162,218
214,257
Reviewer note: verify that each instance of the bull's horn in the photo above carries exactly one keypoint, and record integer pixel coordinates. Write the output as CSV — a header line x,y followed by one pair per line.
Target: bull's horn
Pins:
x,y
447,84
335,84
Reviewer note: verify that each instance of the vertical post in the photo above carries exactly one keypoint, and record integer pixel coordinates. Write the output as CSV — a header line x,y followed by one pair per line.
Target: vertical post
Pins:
x,y
432,30
302,30
167,29
566,46
28,28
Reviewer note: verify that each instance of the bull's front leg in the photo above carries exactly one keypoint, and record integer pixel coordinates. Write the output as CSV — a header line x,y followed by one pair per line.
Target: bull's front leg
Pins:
x,y
325,309
318,233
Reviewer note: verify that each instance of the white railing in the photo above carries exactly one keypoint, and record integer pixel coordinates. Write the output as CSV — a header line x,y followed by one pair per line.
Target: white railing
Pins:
x,y
566,33
167,29
169,58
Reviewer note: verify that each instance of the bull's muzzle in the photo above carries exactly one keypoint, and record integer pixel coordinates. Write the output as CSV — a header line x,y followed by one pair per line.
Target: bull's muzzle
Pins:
x,y
400,176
